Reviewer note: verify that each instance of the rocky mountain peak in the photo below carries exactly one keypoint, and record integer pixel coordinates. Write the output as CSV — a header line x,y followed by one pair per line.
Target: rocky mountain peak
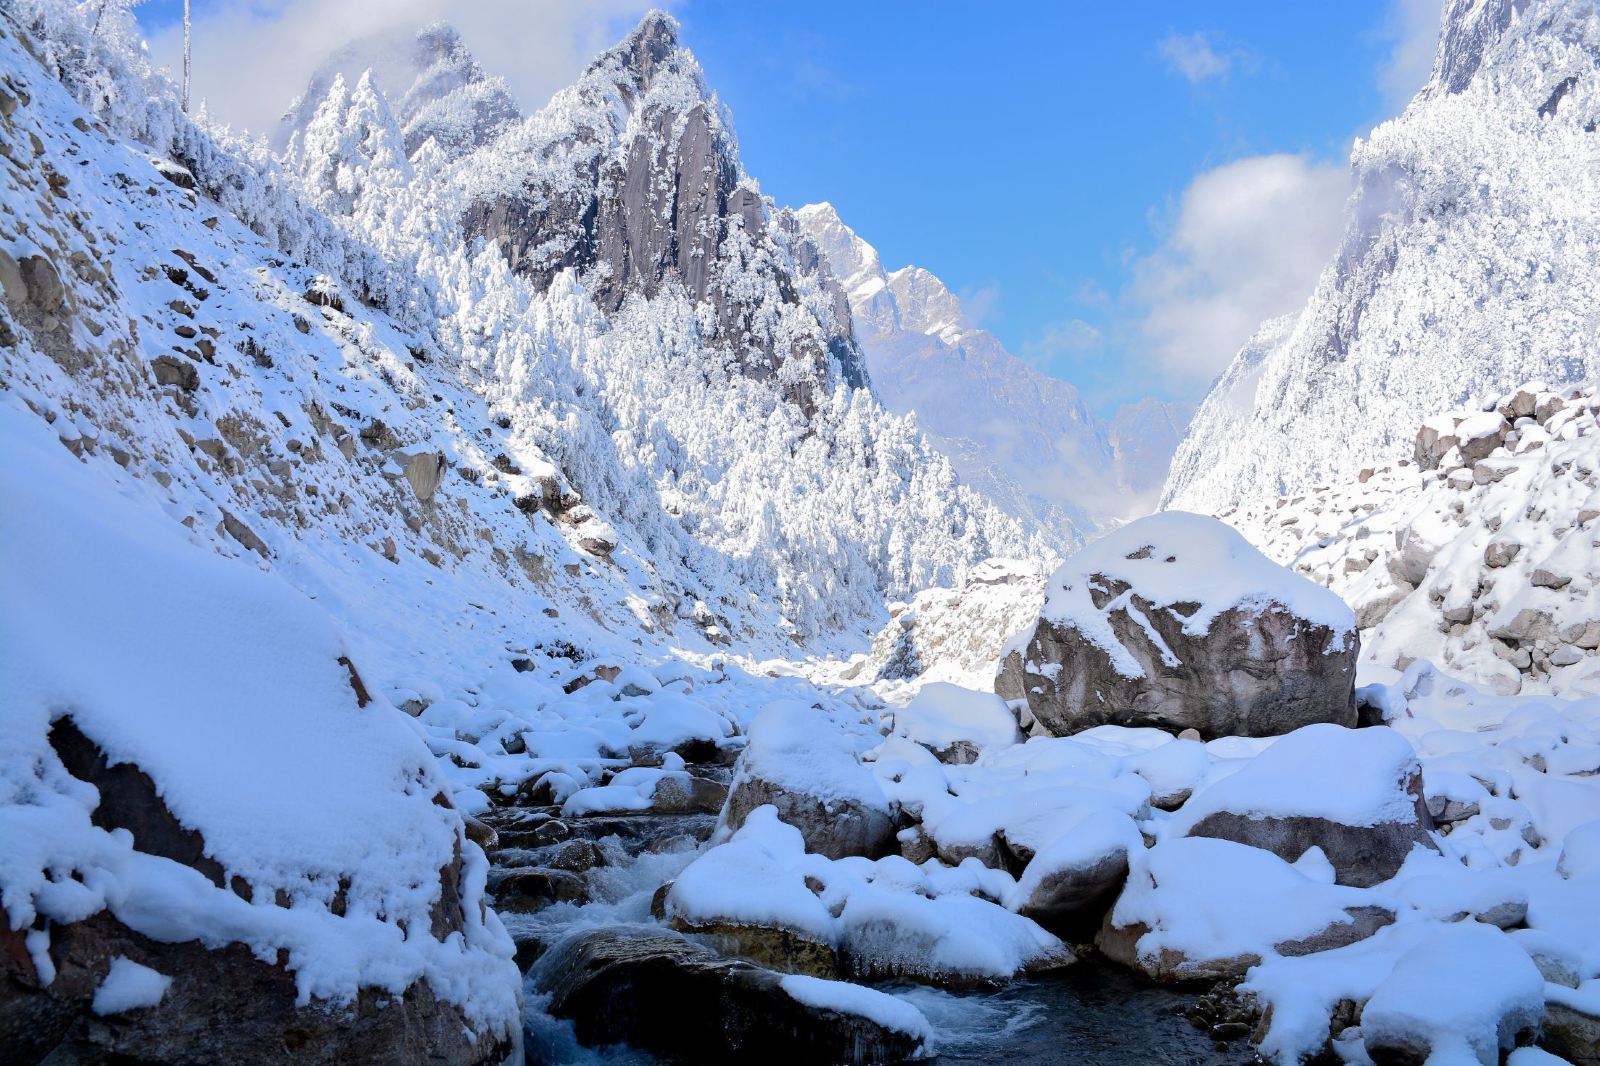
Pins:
x,y
652,45
632,177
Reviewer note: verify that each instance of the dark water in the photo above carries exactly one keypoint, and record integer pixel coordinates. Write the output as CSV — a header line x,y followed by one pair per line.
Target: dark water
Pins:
x,y
1089,1014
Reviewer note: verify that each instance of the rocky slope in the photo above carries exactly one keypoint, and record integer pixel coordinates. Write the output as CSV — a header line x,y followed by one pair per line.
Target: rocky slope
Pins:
x,y
1026,439
1468,267
1480,553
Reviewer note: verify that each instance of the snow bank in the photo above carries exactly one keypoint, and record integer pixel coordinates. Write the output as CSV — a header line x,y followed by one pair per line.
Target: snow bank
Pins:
x,y
235,695
944,715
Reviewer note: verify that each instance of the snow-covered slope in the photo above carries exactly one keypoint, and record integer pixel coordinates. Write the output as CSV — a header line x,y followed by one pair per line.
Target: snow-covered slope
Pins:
x,y
1027,439
1481,553
1471,263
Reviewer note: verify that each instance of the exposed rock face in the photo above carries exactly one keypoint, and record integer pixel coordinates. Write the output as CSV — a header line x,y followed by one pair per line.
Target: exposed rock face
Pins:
x,y
664,994
1176,622
638,185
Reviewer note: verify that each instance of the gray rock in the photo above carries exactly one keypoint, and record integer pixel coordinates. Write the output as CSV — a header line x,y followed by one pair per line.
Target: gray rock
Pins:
x,y
1500,553
1254,673
1571,1033
43,282
173,370
1549,579
835,827
661,993
243,534
424,471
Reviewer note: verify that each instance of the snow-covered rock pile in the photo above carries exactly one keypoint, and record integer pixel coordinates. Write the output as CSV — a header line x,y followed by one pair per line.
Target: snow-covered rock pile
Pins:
x,y
955,634
1481,554
1176,621
1468,266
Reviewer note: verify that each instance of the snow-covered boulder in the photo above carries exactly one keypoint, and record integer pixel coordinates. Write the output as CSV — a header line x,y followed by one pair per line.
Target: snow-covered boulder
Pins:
x,y
957,724
1176,621
1083,866
1466,994
199,782
764,897
1356,794
798,761
1199,909
659,992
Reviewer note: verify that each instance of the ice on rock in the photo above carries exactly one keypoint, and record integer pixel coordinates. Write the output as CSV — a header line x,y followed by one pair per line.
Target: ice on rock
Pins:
x,y
1465,994
847,998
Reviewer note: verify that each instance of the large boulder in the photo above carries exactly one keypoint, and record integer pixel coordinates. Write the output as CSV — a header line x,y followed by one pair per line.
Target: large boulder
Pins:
x,y
659,992
1354,793
798,761
1196,909
1175,621
1466,994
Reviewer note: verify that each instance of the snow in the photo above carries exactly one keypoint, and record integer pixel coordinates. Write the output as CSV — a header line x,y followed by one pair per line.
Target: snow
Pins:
x,y
793,746
128,985
1212,900
1449,994
887,916
846,998
943,715
1354,777
1174,559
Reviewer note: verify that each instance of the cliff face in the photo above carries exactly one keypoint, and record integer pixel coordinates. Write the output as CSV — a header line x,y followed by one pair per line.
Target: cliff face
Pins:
x,y
633,178
1468,267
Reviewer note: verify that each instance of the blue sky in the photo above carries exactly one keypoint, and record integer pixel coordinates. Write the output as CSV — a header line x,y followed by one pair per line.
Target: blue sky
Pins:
x,y
1041,158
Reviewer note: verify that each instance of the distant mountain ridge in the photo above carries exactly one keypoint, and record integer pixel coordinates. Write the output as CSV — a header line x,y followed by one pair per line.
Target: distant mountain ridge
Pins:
x,y
1026,439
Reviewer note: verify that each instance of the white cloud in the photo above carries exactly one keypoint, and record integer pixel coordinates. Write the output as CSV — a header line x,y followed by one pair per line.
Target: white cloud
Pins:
x,y
1248,243
1073,336
1412,28
1194,56
253,57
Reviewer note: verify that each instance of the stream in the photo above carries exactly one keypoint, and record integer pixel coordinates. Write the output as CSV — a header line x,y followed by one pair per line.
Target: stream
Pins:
x,y
1089,1014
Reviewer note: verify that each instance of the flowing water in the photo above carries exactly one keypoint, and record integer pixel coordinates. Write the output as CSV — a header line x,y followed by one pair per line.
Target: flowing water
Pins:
x,y
1089,1014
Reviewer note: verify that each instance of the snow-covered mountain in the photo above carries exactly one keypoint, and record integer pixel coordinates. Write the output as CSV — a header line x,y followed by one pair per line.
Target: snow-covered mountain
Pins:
x,y
437,88
1026,439
1471,264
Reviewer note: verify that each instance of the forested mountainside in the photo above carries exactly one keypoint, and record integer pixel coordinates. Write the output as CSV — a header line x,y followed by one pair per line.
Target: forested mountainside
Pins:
x,y
1468,267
